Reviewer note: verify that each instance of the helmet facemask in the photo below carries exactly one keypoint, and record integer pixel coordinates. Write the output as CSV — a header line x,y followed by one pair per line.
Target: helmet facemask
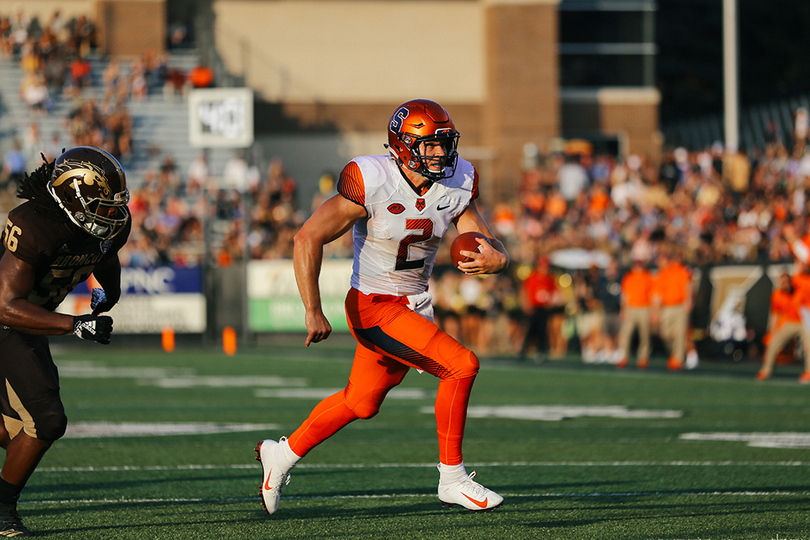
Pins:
x,y
422,164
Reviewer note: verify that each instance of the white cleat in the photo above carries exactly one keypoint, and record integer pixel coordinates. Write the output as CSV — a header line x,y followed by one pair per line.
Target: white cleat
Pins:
x,y
469,494
273,477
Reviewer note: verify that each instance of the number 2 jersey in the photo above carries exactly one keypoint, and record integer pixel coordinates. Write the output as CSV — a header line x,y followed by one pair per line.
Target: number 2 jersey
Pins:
x,y
62,255
395,246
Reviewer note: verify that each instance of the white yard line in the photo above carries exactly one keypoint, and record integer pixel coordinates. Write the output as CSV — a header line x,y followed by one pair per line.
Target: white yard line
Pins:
x,y
433,465
433,495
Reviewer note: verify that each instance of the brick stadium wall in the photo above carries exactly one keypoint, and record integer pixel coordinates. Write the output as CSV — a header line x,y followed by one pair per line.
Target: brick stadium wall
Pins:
x,y
633,113
131,27
522,102
43,9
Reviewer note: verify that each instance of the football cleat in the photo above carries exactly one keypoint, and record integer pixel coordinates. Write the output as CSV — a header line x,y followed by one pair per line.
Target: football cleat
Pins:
x,y
274,478
762,375
469,494
11,524
642,363
804,378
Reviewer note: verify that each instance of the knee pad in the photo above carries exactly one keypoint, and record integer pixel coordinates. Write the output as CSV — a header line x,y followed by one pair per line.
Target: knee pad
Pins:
x,y
473,365
458,361
51,426
366,404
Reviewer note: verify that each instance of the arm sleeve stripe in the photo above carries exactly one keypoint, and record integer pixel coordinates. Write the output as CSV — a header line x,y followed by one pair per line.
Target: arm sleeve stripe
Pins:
x,y
475,185
350,184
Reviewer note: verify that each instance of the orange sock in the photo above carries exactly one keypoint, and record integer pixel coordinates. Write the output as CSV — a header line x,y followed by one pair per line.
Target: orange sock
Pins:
x,y
452,399
325,420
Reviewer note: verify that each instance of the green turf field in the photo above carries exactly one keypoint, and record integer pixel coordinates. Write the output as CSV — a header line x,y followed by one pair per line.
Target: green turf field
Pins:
x,y
578,451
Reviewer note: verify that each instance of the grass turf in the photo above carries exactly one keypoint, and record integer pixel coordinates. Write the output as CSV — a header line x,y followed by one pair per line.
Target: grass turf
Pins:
x,y
585,476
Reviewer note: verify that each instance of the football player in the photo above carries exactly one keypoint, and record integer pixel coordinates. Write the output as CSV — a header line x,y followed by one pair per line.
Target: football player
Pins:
x,y
74,221
399,205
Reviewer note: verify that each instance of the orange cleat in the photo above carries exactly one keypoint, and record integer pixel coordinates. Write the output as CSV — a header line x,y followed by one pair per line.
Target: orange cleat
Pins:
x,y
642,363
804,378
762,375
622,363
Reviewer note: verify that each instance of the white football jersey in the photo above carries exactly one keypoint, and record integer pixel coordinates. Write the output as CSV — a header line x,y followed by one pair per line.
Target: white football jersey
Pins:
x,y
395,247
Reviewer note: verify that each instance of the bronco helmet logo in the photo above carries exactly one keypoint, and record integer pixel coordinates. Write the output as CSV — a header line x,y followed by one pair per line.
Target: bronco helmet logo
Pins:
x,y
84,172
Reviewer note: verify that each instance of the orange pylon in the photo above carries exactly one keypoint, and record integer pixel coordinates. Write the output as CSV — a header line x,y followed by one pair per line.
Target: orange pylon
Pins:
x,y
167,338
229,340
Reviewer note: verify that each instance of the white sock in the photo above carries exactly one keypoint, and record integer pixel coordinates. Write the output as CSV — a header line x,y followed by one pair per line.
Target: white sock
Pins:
x,y
285,456
449,474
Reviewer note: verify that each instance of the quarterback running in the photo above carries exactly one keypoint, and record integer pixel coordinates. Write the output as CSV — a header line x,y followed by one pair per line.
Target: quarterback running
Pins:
x,y
399,206
72,224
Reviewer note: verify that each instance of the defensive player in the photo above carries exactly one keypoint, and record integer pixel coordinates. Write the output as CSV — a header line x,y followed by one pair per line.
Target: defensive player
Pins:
x,y
400,205
72,225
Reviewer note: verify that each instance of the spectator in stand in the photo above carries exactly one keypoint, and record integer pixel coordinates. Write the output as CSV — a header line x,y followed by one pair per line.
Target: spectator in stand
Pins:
x,y
609,294
540,295
33,145
6,41
235,175
14,166
476,318
35,93
80,71
83,39
19,22
174,83
801,291
671,305
55,147
138,85
572,178
199,172
590,314
737,172
784,326
637,285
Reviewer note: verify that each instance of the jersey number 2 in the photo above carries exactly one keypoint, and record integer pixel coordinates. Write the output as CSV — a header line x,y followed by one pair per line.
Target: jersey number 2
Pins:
x,y
426,228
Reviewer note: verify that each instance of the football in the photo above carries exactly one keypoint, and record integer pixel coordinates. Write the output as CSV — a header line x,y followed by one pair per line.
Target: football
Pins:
x,y
466,242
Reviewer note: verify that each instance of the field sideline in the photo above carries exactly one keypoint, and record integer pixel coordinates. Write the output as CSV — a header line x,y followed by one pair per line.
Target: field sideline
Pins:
x,y
160,445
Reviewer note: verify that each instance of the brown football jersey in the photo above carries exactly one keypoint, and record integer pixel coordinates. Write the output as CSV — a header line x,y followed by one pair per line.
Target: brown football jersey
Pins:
x,y
62,255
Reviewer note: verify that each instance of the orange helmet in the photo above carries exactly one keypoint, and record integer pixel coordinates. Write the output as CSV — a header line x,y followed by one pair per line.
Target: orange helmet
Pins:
x,y
415,122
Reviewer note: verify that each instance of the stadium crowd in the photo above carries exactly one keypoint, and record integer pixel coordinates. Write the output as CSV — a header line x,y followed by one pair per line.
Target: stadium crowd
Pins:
x,y
716,205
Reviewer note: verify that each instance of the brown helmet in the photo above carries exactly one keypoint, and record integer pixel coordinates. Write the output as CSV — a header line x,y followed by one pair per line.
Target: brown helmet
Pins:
x,y
90,186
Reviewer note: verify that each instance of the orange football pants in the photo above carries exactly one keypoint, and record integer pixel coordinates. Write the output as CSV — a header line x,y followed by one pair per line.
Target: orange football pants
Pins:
x,y
392,338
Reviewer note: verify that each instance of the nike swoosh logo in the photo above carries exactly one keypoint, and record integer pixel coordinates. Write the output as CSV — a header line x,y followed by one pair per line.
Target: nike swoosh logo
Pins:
x,y
267,481
443,207
479,504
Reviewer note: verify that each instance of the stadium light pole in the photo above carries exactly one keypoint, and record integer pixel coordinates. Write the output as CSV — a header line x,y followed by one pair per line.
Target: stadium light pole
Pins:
x,y
730,79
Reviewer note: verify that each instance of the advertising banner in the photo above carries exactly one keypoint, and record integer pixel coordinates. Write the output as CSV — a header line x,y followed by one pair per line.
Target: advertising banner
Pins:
x,y
151,299
274,304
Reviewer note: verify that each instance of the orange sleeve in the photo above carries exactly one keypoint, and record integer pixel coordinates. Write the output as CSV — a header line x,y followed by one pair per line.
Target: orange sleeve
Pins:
x,y
351,185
